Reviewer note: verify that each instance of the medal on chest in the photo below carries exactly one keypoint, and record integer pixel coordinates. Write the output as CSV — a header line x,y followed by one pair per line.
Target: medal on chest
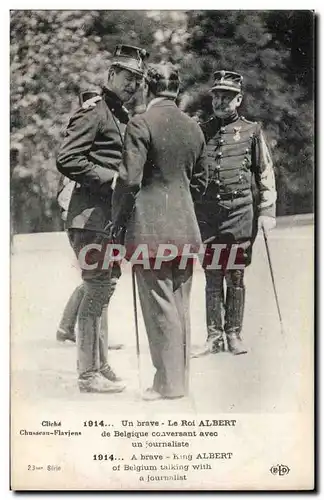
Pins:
x,y
237,135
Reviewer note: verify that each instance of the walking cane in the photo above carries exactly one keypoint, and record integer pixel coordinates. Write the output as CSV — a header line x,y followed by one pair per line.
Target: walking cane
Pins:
x,y
136,327
272,278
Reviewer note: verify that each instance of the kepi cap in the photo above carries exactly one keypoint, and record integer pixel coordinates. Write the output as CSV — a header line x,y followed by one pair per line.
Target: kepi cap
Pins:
x,y
227,80
130,58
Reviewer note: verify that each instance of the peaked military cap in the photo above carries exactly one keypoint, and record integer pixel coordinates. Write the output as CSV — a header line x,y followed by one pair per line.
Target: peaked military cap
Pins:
x,y
163,79
227,80
130,58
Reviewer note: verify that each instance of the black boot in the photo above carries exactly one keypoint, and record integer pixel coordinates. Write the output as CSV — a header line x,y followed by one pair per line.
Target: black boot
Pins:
x,y
235,299
214,314
93,342
214,311
215,342
90,378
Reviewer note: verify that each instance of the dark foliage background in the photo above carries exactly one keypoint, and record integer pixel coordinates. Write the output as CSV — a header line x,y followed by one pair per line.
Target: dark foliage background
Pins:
x,y
55,54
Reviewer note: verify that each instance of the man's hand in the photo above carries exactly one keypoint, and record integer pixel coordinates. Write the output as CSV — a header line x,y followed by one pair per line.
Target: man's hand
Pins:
x,y
267,222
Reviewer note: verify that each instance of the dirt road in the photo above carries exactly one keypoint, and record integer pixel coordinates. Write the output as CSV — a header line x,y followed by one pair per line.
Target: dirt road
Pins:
x,y
275,376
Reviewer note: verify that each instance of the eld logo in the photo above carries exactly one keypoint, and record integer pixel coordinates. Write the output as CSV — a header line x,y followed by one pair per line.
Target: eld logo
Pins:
x,y
279,470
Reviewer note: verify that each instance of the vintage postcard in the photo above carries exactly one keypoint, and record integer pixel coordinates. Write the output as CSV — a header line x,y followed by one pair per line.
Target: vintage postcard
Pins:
x,y
162,250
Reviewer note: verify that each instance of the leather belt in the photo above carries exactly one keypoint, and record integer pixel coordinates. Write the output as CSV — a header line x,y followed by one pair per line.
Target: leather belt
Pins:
x,y
217,196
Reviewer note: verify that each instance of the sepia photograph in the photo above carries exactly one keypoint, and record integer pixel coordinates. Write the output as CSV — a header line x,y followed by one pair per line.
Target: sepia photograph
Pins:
x,y
162,330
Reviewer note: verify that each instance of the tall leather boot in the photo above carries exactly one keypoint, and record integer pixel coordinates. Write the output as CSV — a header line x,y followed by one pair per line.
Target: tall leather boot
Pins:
x,y
214,295
66,329
105,368
91,344
235,301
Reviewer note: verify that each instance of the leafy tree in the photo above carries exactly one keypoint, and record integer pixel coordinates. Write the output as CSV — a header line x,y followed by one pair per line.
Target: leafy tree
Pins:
x,y
264,47
56,54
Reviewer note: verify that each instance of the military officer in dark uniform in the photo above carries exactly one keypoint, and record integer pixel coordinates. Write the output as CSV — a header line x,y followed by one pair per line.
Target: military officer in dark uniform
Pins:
x,y
238,161
67,327
90,156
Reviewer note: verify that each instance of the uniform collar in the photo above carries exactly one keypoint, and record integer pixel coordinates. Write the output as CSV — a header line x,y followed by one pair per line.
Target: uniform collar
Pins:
x,y
111,97
215,122
230,119
115,104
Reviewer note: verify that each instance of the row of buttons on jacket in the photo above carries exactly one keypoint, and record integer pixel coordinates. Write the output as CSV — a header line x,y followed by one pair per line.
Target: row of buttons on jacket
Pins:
x,y
220,154
216,181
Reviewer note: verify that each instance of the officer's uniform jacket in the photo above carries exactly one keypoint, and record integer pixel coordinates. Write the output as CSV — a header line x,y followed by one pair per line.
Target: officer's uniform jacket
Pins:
x,y
164,167
238,160
90,155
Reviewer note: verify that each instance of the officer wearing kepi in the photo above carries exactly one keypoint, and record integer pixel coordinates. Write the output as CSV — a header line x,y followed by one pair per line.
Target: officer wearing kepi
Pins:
x,y
67,327
239,161
90,155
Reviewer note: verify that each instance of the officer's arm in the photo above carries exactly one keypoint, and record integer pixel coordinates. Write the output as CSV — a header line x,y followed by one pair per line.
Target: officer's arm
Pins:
x,y
199,180
73,157
136,145
264,176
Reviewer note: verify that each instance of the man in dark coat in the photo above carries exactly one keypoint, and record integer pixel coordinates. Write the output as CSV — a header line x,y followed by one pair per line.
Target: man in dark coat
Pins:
x,y
164,165
238,159
90,156
67,327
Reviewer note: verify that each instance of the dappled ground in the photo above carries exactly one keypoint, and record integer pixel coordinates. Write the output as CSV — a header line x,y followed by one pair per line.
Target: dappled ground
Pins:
x,y
275,376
